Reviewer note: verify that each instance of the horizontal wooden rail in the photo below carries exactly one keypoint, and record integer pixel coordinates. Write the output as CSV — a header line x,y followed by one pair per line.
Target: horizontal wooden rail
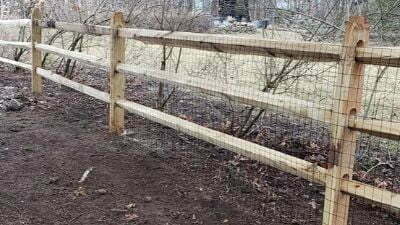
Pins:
x,y
16,23
381,56
372,193
105,97
237,45
89,59
15,63
385,129
77,27
253,151
262,154
16,44
248,96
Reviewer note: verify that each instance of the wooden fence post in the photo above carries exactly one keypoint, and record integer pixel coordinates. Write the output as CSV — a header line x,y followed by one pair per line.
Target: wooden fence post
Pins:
x,y
36,37
116,79
347,103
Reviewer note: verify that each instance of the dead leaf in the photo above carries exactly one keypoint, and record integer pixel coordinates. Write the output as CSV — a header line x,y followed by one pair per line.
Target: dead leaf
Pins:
x,y
381,183
361,175
314,146
131,206
234,163
80,192
313,204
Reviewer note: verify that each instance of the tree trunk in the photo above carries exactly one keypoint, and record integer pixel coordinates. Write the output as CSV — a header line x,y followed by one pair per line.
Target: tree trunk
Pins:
x,y
227,8
238,9
214,7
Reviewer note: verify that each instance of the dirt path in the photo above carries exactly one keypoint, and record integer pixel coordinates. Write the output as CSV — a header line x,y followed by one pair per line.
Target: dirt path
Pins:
x,y
154,176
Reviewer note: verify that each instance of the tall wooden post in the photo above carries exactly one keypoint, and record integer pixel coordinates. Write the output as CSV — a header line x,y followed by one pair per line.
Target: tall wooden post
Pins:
x,y
347,103
36,37
116,79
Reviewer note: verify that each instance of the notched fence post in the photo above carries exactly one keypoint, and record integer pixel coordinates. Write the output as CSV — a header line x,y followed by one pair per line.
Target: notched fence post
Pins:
x,y
116,79
36,38
347,103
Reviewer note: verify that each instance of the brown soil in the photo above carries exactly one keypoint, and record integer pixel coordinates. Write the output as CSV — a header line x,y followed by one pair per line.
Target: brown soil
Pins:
x,y
154,176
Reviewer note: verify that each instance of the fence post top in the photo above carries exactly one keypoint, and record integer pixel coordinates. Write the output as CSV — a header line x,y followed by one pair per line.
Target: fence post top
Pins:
x,y
357,32
35,12
359,22
117,18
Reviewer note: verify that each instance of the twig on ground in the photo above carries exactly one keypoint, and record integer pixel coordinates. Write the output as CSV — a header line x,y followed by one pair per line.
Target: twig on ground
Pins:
x,y
85,175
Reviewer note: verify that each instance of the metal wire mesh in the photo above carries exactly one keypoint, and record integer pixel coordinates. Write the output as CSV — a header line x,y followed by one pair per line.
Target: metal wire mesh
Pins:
x,y
296,107
305,86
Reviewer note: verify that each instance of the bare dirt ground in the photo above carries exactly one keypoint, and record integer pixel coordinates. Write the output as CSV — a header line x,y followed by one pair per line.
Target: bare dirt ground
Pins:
x,y
156,176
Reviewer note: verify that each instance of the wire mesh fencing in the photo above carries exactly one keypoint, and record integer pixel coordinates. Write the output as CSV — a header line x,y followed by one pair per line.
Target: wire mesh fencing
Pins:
x,y
310,110
313,110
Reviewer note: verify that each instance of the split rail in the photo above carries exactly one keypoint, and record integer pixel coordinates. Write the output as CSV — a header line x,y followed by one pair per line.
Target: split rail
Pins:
x,y
352,56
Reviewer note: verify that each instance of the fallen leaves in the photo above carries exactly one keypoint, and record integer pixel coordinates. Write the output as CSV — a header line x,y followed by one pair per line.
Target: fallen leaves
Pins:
x,y
131,206
313,204
80,192
380,183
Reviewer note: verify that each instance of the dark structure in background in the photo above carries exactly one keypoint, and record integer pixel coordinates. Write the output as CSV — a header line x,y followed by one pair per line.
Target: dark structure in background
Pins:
x,y
238,9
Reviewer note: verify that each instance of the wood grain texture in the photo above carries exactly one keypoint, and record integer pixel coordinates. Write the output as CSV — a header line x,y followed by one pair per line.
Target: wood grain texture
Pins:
x,y
77,27
380,56
36,38
323,52
16,23
378,195
378,128
347,102
15,63
116,79
103,96
16,44
81,57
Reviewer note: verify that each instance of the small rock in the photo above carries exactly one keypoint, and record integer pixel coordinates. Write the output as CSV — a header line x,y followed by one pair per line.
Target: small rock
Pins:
x,y
15,129
54,180
101,191
13,105
27,148
148,199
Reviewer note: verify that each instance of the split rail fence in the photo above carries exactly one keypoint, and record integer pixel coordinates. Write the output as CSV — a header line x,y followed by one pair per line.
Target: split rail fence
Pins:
x,y
352,56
